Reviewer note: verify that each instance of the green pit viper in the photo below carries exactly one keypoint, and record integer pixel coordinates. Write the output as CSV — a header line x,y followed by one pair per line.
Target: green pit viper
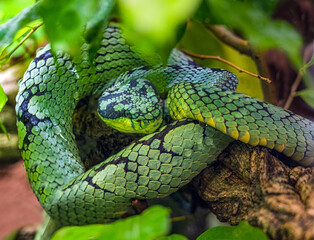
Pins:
x,y
129,92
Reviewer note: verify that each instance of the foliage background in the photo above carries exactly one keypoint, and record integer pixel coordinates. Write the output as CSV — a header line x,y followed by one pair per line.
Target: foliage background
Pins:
x,y
154,27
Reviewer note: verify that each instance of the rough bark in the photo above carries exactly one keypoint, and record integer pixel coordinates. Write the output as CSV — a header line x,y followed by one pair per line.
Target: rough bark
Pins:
x,y
248,183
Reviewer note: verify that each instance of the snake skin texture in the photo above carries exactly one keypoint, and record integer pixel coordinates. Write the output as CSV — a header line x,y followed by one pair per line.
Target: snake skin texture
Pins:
x,y
246,119
130,93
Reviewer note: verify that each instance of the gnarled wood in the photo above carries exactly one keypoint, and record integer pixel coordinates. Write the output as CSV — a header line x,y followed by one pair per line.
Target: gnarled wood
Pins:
x,y
248,183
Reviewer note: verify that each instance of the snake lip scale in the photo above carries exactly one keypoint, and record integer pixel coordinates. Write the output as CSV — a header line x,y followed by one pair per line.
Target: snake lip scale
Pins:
x,y
207,115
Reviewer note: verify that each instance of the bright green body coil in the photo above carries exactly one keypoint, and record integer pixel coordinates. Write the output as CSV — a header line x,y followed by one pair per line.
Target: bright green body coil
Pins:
x,y
160,163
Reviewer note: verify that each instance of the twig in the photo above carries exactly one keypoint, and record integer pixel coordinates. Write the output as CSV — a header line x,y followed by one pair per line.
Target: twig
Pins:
x,y
298,80
226,62
244,47
293,89
189,217
33,29
182,218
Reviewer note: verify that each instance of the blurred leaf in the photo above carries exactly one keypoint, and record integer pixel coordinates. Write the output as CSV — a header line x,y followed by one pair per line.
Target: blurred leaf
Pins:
x,y
152,223
254,22
67,20
173,237
180,31
12,235
24,30
10,8
308,76
266,6
152,25
202,13
9,29
3,100
14,47
243,231
307,95
4,129
309,63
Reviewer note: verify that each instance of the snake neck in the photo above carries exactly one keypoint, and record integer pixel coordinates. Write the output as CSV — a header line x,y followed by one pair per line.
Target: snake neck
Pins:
x,y
165,78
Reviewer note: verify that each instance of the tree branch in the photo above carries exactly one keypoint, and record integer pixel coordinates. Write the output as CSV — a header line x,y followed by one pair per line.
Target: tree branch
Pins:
x,y
232,40
244,47
199,56
293,90
248,183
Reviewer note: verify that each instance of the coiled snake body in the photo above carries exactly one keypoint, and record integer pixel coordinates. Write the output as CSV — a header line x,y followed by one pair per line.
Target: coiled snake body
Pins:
x,y
129,90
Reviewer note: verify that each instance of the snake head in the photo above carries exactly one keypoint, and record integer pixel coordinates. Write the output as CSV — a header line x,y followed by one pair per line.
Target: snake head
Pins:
x,y
133,107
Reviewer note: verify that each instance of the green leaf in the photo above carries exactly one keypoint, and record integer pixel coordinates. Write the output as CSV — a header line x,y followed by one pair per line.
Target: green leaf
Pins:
x,y
14,47
11,236
10,8
4,129
152,223
309,63
254,22
173,237
243,231
152,25
202,13
67,20
267,7
307,95
3,98
9,29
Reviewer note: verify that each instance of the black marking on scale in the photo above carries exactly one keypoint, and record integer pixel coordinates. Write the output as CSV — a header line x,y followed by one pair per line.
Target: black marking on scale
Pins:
x,y
43,56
